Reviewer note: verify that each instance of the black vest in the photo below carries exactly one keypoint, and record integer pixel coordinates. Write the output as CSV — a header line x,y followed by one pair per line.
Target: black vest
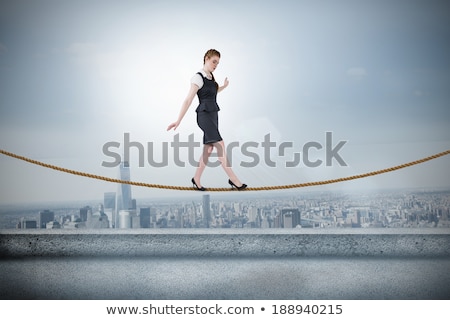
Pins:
x,y
207,95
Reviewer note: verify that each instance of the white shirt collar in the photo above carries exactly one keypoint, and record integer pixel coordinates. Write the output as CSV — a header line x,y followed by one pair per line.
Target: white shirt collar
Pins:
x,y
205,74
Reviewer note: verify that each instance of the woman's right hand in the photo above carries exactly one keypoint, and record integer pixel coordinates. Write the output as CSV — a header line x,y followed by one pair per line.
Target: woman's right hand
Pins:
x,y
173,125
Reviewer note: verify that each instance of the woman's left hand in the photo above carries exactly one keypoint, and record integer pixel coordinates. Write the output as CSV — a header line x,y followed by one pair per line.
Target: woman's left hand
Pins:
x,y
225,84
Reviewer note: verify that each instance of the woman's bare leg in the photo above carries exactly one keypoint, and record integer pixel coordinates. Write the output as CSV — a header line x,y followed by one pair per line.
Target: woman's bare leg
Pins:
x,y
220,147
207,150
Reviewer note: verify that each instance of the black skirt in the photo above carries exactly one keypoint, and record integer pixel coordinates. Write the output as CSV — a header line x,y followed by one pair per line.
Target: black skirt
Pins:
x,y
209,123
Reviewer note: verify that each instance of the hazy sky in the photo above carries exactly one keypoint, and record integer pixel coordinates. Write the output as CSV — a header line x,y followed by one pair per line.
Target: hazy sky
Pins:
x,y
75,75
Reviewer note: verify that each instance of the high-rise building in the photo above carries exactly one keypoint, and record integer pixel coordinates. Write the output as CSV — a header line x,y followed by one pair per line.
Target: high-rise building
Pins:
x,y
135,220
291,217
206,210
180,217
109,205
110,215
84,212
266,222
124,219
27,224
144,216
278,220
288,220
44,217
252,214
123,200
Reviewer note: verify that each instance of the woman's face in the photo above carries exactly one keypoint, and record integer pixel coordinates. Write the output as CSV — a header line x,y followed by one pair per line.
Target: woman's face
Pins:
x,y
211,63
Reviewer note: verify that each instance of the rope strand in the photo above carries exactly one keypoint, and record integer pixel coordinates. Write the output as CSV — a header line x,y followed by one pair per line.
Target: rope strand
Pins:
x,y
264,188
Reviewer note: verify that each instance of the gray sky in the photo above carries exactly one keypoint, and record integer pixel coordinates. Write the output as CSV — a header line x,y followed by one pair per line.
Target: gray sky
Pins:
x,y
75,75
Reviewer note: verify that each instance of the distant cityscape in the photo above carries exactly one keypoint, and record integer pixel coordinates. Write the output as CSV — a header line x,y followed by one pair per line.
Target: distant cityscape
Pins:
x,y
402,209
118,210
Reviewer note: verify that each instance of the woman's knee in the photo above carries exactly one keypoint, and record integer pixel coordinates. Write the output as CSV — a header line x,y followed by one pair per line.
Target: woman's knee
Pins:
x,y
208,148
220,146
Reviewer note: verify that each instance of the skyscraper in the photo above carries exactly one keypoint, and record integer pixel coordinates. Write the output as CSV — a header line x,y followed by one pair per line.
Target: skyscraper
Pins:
x,y
252,214
27,224
124,190
109,205
206,210
144,216
44,217
124,219
84,212
290,217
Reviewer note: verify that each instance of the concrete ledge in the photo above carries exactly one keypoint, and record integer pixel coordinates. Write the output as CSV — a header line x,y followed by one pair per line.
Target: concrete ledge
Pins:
x,y
226,243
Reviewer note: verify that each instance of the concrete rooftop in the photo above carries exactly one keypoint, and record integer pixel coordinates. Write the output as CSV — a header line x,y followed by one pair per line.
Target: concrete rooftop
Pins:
x,y
191,264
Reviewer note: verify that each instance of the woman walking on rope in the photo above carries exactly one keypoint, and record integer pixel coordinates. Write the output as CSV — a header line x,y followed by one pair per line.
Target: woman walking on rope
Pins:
x,y
206,88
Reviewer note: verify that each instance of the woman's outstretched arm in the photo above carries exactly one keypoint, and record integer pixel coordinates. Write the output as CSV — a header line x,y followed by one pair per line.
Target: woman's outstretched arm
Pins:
x,y
184,107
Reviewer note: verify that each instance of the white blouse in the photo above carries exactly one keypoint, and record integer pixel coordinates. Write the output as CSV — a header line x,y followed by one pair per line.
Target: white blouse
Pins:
x,y
198,80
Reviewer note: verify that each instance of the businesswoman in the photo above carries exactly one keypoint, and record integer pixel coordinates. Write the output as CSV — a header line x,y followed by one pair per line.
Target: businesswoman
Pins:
x,y
206,88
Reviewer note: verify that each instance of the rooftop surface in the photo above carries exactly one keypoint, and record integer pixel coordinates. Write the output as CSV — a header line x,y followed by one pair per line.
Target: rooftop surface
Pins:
x,y
228,264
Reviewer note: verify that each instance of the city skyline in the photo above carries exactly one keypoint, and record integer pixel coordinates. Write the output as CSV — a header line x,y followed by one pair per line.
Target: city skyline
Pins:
x,y
402,208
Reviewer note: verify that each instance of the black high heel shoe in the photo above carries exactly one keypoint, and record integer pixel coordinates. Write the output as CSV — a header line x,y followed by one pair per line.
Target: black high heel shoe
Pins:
x,y
196,187
242,187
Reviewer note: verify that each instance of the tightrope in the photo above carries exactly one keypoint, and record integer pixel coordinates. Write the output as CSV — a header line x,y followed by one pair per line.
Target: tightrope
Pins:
x,y
289,186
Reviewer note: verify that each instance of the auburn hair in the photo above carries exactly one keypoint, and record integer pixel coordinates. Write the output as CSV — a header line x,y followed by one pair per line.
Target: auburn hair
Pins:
x,y
210,53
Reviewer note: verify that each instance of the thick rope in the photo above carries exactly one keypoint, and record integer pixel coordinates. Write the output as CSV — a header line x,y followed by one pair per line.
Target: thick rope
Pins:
x,y
289,186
